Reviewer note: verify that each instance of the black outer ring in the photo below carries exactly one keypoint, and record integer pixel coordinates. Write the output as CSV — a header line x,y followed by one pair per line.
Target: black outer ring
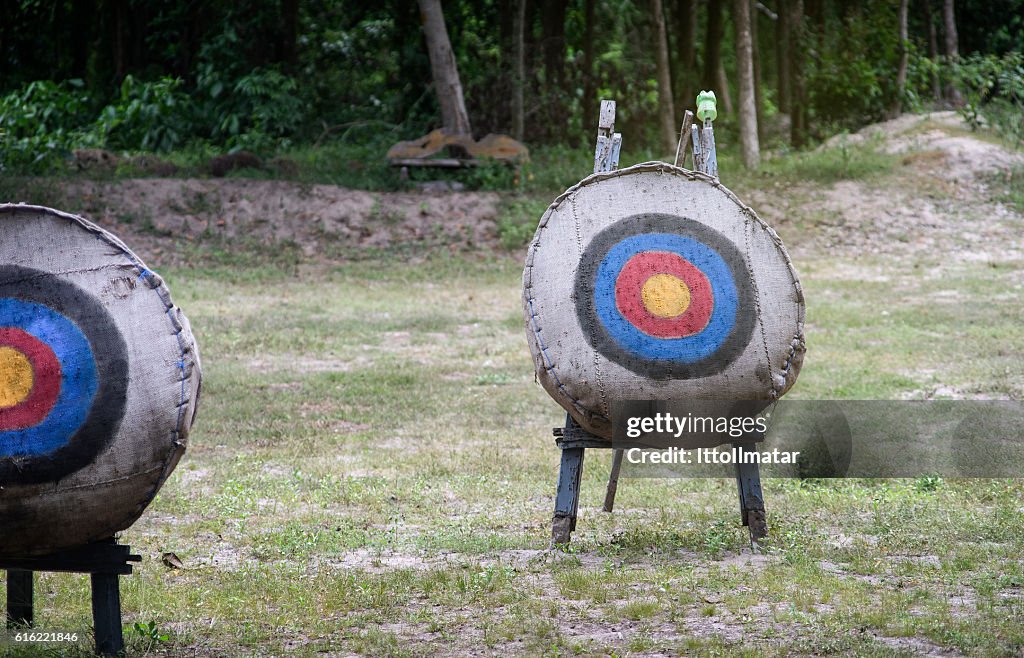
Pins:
x,y
111,355
599,338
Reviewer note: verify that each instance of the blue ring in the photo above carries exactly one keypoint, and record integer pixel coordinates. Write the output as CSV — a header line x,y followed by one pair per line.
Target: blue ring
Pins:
x,y
686,350
78,385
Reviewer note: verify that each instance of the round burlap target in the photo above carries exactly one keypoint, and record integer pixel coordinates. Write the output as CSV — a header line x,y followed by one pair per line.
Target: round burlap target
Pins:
x,y
99,380
657,283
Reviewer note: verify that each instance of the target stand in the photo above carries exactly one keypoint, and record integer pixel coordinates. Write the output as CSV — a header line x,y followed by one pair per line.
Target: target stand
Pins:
x,y
573,440
738,332
99,385
104,561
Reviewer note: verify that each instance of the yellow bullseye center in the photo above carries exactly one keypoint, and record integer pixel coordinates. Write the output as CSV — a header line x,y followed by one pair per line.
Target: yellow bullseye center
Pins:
x,y
15,377
665,296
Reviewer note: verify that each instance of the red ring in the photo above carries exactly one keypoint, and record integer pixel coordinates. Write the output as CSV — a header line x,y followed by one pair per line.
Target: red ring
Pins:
x,y
46,377
629,300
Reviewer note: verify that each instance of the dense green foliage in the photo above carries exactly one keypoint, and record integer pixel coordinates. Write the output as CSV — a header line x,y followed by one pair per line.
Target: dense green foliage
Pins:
x,y
994,92
267,75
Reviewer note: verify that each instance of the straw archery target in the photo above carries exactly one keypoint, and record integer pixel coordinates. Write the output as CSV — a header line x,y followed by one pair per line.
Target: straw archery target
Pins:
x,y
99,381
62,392
656,283
670,298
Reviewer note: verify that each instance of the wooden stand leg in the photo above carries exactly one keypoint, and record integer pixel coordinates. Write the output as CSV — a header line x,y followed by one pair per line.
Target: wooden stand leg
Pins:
x,y
567,499
105,561
613,480
19,597
106,614
748,483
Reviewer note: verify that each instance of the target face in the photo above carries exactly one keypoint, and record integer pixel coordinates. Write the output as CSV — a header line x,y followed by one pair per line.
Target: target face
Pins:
x,y
63,376
665,297
657,283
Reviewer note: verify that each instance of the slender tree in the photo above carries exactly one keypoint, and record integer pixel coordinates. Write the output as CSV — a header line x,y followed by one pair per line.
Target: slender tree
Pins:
x,y
722,88
553,14
519,68
782,56
949,22
666,109
901,70
289,31
933,49
713,45
755,16
798,95
444,70
749,146
686,52
952,47
589,91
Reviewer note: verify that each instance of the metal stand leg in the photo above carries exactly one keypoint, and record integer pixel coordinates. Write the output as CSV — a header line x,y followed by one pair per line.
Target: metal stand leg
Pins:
x,y
19,598
613,480
106,614
748,483
567,499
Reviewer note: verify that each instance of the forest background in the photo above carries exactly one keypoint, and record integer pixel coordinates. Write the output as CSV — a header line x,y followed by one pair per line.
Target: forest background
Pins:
x,y
284,77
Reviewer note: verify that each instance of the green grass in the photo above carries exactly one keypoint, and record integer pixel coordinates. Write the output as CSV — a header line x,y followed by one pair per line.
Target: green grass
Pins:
x,y
1009,188
372,473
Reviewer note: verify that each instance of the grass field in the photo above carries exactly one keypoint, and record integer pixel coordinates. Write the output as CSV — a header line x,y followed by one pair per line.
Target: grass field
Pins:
x,y
372,473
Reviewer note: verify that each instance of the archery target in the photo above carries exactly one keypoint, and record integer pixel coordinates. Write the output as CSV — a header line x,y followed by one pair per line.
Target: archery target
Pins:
x,y
99,377
62,392
654,282
669,298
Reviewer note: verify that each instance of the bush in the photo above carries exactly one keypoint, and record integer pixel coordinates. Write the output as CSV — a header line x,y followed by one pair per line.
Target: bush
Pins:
x,y
42,123
850,81
993,90
259,110
148,116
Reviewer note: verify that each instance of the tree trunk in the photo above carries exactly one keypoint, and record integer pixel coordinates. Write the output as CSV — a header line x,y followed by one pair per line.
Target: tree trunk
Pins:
x,y
82,18
798,100
119,38
519,68
952,49
756,55
444,70
686,52
289,31
589,92
713,46
554,41
901,71
722,89
666,109
749,147
782,57
949,21
815,25
555,90
933,50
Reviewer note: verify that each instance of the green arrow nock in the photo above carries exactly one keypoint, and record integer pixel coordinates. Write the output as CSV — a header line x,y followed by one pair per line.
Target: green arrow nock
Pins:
x,y
707,106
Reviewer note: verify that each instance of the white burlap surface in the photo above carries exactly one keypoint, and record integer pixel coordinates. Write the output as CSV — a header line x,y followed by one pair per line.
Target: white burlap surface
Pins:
x,y
66,498
579,376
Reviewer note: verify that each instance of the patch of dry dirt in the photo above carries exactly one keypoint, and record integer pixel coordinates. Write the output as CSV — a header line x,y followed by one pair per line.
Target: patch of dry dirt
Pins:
x,y
938,201
157,216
